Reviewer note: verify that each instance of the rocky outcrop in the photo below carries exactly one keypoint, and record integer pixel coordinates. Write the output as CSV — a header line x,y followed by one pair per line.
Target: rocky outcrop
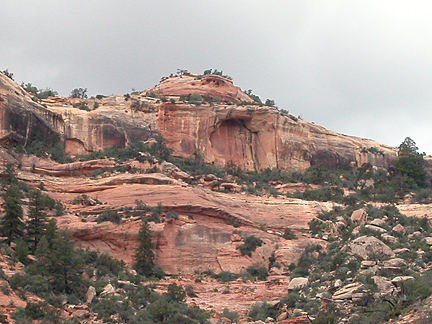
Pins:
x,y
200,239
351,291
257,137
232,130
23,120
214,86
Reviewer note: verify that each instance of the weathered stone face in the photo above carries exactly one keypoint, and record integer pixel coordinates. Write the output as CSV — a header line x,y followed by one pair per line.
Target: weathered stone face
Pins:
x,y
21,119
257,138
232,131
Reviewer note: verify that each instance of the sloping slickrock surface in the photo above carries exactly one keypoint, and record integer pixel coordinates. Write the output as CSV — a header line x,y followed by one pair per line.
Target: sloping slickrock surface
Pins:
x,y
201,238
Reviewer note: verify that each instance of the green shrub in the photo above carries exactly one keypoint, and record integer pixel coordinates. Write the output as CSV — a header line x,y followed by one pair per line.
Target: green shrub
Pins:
x,y
7,73
250,244
423,196
79,93
257,271
51,147
175,293
107,265
225,276
261,310
291,299
172,214
190,291
5,288
232,316
21,251
106,308
109,216
325,319
289,234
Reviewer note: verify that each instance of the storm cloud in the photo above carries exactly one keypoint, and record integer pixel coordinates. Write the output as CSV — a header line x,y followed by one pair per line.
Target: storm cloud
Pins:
x,y
361,68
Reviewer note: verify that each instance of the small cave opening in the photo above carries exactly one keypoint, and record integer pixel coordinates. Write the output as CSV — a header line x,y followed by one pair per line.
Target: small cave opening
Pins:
x,y
232,141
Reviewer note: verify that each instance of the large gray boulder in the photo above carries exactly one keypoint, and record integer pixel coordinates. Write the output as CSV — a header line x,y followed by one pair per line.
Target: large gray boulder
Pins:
x,y
298,283
369,248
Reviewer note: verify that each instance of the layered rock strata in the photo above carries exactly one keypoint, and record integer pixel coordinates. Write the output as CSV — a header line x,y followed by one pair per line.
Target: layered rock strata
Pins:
x,y
229,130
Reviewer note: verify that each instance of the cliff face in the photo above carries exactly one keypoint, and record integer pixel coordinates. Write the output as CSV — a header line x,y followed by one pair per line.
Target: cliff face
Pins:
x,y
22,119
200,239
228,129
261,137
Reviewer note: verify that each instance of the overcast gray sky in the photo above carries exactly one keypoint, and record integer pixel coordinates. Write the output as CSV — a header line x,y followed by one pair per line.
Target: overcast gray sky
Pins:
x,y
361,68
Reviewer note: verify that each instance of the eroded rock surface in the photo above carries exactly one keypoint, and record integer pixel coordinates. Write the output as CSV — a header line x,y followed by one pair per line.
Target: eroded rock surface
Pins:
x,y
234,130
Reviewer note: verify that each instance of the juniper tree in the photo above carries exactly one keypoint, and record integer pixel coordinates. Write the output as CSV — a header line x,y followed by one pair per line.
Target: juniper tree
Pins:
x,y
411,163
37,223
60,264
9,175
11,224
144,256
79,93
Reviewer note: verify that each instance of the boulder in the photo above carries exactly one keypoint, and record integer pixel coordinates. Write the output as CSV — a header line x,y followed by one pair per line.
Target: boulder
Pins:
x,y
211,177
428,240
174,171
376,228
398,229
378,222
416,236
340,226
224,320
31,258
270,319
367,247
91,293
397,281
298,283
389,238
283,314
108,291
367,264
402,250
359,217
369,271
274,271
395,263
337,283
356,230
125,284
81,313
385,286
349,291
236,238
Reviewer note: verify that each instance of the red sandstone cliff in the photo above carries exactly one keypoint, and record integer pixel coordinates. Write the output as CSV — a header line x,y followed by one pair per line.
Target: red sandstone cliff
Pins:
x,y
229,130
